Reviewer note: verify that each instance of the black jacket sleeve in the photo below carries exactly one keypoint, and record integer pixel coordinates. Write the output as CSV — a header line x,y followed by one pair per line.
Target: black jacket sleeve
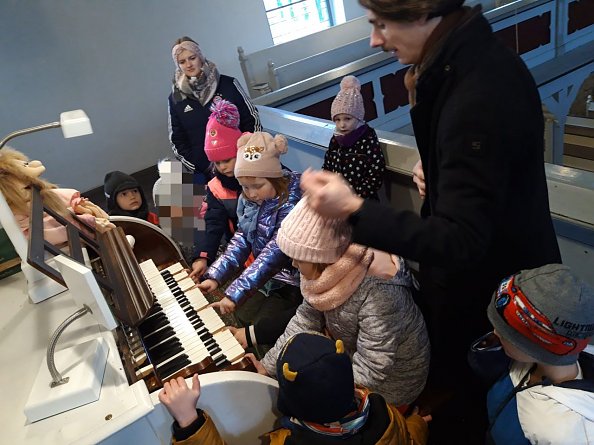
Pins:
x,y
179,139
217,223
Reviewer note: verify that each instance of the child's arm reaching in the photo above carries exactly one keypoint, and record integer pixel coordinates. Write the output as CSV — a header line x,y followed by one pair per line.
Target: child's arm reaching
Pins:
x,y
181,402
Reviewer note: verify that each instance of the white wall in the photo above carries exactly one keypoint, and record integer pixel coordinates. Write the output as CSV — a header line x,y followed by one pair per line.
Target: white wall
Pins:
x,y
352,9
112,59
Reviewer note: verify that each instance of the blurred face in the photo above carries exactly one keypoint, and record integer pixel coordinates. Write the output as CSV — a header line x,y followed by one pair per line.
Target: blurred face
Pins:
x,y
189,63
404,39
513,352
129,200
226,167
345,123
257,190
310,271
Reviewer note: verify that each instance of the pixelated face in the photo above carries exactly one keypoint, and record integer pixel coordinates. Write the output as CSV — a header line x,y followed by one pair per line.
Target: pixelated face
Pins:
x,y
226,167
257,190
345,123
179,202
189,63
129,200
310,271
404,39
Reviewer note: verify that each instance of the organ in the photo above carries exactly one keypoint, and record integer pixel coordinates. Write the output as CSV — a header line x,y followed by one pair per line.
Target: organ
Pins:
x,y
166,330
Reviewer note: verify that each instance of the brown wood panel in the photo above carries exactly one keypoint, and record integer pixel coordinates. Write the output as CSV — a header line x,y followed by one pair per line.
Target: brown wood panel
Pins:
x,y
580,15
579,151
531,33
579,131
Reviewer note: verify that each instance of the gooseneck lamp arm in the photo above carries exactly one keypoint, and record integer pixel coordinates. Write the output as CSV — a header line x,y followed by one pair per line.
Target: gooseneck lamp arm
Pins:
x,y
14,134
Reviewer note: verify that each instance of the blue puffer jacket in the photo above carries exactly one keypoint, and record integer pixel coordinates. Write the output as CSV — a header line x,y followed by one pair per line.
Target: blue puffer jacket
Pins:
x,y
269,261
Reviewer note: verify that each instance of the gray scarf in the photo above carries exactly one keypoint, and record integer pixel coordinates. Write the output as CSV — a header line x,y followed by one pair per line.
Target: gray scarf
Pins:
x,y
202,87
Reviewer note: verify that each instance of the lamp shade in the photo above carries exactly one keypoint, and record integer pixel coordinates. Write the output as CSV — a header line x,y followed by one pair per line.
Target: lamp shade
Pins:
x,y
75,123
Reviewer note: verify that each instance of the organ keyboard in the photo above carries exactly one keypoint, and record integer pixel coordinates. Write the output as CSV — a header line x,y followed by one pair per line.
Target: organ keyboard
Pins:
x,y
171,331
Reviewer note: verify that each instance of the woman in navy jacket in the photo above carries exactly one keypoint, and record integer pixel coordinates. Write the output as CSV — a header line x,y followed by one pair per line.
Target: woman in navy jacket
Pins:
x,y
196,85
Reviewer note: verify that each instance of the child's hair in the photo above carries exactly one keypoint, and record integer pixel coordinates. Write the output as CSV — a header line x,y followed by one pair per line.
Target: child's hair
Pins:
x,y
315,379
305,235
12,179
547,313
281,187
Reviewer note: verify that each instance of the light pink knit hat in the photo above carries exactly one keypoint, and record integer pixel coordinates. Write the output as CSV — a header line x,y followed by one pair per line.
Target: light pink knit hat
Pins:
x,y
305,235
349,99
258,155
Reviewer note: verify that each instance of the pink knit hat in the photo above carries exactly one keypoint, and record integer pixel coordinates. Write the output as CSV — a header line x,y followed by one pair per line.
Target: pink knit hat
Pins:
x,y
305,235
349,99
222,131
258,155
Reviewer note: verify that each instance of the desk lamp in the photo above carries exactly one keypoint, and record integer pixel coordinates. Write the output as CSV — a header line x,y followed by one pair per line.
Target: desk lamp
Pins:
x,y
73,123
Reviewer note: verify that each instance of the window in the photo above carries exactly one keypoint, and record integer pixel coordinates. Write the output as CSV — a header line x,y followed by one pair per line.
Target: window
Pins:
x,y
291,19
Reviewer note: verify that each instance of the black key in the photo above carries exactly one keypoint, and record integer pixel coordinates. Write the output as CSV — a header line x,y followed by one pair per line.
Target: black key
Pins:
x,y
155,338
166,350
173,366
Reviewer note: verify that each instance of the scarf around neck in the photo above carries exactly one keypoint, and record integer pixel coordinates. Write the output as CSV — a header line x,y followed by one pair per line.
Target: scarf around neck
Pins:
x,y
202,87
432,48
338,281
347,426
247,217
349,139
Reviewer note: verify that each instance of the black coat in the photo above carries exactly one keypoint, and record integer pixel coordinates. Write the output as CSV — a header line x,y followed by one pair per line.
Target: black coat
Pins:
x,y
479,130
187,121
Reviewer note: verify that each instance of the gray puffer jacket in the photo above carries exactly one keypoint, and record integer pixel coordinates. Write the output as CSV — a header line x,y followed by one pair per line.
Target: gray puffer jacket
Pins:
x,y
382,330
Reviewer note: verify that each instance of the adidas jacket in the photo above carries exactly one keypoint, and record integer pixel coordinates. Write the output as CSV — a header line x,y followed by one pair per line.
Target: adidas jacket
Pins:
x,y
187,121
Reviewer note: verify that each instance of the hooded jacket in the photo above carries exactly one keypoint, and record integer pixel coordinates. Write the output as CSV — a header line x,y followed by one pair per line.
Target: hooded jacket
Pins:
x,y
544,415
270,261
382,330
116,182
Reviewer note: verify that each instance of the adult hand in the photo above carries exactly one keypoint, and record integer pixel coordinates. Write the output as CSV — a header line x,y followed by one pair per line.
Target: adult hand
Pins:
x,y
225,306
198,269
419,178
259,368
208,286
329,194
239,334
180,400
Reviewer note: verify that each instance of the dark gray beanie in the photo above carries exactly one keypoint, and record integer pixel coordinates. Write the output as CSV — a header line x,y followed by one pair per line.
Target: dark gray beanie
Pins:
x,y
561,302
